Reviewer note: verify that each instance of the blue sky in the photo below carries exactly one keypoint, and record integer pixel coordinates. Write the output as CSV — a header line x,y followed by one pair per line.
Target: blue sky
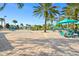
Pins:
x,y
24,15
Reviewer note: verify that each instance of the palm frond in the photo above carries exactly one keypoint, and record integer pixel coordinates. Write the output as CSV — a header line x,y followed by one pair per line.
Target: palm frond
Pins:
x,y
2,19
2,7
20,5
37,11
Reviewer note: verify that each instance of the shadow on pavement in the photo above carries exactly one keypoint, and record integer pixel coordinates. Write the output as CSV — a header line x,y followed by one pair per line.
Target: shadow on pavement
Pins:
x,y
4,43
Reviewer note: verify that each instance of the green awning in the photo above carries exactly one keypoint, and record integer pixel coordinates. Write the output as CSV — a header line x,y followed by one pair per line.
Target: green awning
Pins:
x,y
66,21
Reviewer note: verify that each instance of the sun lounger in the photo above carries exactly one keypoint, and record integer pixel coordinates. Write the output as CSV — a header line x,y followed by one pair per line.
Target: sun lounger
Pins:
x,y
70,33
77,32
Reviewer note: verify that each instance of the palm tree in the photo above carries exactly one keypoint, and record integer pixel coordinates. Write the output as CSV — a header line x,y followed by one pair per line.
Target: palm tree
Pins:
x,y
19,5
75,9
67,11
22,26
51,20
72,11
15,21
46,10
28,26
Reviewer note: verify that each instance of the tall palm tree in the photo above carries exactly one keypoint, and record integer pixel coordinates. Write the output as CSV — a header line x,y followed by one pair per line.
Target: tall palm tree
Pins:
x,y
67,11
22,25
15,21
75,9
45,10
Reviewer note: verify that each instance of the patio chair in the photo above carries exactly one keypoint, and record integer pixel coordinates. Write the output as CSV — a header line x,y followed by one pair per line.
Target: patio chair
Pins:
x,y
70,33
77,33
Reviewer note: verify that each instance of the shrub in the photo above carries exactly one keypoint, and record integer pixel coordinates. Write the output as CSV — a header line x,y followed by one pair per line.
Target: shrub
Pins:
x,y
1,27
7,26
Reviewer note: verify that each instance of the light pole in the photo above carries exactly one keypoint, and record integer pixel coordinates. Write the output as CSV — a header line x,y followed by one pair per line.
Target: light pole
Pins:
x,y
4,22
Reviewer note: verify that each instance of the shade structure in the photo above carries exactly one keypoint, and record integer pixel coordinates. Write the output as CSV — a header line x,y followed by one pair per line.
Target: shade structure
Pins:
x,y
67,21
77,22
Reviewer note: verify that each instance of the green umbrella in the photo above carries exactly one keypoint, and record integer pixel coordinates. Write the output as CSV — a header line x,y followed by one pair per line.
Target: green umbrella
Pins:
x,y
67,21
77,22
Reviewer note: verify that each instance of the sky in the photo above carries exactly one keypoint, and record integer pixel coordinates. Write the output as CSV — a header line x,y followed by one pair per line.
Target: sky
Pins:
x,y
24,15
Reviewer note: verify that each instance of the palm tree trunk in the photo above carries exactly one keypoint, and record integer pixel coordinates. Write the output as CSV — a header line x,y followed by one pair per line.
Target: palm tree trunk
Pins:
x,y
4,24
45,26
76,16
52,25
